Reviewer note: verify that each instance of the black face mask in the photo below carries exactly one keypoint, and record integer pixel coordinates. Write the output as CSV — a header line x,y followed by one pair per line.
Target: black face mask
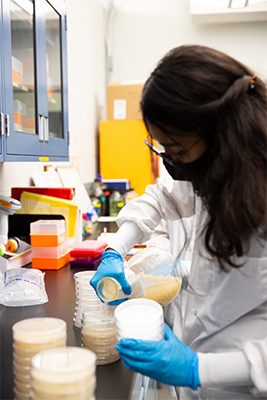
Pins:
x,y
194,172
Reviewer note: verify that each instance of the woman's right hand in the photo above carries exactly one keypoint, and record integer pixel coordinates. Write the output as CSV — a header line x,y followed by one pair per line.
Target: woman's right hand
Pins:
x,y
112,266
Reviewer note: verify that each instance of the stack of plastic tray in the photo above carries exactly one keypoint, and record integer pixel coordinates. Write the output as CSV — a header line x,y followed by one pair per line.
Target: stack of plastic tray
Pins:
x,y
50,248
30,336
88,254
65,373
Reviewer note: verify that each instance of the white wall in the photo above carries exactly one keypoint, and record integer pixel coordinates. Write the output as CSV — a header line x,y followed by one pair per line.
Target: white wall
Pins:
x,y
86,77
144,30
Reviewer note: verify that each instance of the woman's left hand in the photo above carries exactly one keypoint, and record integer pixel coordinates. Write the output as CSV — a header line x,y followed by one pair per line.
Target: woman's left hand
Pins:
x,y
168,361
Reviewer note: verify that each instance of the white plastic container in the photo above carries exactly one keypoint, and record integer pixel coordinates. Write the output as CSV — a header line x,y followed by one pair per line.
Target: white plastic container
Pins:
x,y
139,319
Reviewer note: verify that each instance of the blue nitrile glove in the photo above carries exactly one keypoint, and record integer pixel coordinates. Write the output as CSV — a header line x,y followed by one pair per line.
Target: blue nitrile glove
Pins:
x,y
168,361
112,266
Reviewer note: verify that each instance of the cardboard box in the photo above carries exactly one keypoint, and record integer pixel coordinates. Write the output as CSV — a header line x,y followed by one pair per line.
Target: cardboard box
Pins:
x,y
123,100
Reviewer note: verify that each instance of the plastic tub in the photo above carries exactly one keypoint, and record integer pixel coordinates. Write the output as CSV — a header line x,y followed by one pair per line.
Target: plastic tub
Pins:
x,y
140,319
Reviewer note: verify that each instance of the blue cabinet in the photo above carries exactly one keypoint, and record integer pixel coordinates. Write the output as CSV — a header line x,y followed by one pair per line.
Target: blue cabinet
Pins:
x,y
33,81
2,115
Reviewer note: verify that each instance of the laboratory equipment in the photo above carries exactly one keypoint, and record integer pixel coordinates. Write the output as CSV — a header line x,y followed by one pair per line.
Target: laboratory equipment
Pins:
x,y
87,254
8,206
159,268
116,202
152,272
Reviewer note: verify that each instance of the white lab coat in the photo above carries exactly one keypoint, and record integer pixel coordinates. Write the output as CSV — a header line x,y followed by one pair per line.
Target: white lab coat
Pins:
x,y
226,317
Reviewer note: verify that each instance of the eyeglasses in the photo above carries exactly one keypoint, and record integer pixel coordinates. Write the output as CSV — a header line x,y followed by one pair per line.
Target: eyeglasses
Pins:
x,y
159,153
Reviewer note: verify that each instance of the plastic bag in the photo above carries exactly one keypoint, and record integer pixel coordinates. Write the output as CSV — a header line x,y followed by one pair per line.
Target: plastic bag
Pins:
x,y
22,287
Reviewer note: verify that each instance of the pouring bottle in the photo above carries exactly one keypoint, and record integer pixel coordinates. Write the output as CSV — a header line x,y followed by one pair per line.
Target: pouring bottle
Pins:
x,y
153,273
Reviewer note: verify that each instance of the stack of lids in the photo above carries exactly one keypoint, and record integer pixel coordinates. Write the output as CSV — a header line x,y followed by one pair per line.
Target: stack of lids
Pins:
x,y
86,297
50,248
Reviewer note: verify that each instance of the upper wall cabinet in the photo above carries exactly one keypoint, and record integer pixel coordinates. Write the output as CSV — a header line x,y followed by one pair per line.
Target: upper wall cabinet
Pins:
x,y
33,81
223,11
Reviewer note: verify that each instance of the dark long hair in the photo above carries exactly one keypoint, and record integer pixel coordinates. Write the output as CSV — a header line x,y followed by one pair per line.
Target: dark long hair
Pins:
x,y
199,90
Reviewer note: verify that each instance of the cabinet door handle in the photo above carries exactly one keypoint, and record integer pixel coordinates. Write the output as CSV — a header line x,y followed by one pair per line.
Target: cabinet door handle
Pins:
x,y
46,129
2,123
7,126
41,128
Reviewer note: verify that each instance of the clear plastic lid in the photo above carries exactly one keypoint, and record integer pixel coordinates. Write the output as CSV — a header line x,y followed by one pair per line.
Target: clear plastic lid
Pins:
x,y
63,365
39,330
47,227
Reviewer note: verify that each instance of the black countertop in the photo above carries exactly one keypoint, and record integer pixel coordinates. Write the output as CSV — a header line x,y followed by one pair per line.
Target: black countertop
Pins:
x,y
114,382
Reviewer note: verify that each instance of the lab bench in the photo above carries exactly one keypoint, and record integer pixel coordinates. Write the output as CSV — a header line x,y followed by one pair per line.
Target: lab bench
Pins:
x,y
114,382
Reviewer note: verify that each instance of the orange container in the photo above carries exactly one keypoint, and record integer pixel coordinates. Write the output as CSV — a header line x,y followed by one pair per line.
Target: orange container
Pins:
x,y
47,233
51,263
47,240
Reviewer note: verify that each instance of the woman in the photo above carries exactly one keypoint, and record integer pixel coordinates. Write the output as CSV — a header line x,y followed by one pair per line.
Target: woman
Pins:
x,y
209,113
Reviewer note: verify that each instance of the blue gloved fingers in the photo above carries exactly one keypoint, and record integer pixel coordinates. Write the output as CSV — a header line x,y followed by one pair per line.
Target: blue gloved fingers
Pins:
x,y
116,302
111,266
138,344
168,361
145,353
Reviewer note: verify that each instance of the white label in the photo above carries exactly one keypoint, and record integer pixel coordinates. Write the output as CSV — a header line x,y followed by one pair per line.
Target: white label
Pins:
x,y
119,109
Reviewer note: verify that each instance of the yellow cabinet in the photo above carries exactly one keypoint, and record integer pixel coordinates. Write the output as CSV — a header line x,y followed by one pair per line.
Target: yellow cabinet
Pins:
x,y
124,155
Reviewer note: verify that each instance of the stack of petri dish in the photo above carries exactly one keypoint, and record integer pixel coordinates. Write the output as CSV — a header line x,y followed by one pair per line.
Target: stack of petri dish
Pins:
x,y
30,336
65,373
99,335
139,319
86,298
